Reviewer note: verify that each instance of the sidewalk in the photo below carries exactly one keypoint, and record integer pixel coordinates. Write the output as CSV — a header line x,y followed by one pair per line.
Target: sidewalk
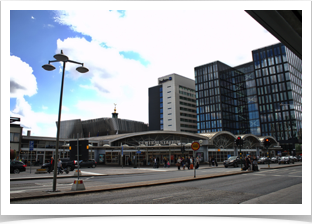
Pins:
x,y
106,170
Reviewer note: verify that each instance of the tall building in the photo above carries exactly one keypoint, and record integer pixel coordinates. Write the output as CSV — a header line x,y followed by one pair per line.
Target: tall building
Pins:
x,y
262,97
172,104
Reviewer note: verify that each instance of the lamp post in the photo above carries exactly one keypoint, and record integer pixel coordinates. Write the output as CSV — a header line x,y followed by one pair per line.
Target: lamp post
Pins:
x,y
61,58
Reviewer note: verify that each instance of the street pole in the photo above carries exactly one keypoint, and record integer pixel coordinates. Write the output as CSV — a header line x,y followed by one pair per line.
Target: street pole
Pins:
x,y
58,131
194,164
78,153
268,156
49,67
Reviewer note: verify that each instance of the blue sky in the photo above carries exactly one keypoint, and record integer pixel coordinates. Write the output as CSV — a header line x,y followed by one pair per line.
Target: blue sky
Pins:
x,y
125,51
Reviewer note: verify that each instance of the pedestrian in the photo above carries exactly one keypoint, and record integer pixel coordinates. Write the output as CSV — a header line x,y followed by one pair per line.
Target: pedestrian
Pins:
x,y
197,163
165,162
51,165
129,161
191,163
209,161
59,166
157,162
212,161
179,163
255,164
188,162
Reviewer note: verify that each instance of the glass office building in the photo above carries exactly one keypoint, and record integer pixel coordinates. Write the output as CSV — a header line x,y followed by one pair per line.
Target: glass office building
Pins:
x,y
262,97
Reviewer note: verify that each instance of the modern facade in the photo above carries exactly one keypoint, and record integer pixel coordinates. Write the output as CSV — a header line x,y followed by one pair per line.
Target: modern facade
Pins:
x,y
172,104
262,97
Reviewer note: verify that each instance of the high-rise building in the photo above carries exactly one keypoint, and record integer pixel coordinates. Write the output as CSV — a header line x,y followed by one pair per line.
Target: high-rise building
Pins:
x,y
172,104
262,97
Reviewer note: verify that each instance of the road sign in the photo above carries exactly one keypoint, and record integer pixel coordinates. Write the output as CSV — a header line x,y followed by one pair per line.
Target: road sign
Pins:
x,y
138,152
195,146
31,145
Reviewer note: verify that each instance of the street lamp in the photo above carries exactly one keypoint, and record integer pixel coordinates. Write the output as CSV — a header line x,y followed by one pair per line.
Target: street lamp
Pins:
x,y
61,57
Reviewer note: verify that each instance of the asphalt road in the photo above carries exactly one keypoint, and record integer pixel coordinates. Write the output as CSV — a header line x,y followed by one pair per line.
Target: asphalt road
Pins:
x,y
272,186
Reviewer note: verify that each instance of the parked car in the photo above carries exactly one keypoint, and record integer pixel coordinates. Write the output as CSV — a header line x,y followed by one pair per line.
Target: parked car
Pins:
x,y
274,159
66,164
17,167
263,160
286,160
295,158
87,163
300,158
231,161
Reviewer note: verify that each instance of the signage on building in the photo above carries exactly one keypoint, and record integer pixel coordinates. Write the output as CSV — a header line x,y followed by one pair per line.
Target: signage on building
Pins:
x,y
165,80
31,145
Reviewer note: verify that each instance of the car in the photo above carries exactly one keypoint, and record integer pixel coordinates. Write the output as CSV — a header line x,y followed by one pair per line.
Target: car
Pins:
x,y
17,167
286,160
300,158
66,164
295,158
231,161
87,163
263,160
274,159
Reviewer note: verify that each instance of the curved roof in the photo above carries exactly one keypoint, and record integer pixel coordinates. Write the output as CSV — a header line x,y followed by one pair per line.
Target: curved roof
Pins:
x,y
112,138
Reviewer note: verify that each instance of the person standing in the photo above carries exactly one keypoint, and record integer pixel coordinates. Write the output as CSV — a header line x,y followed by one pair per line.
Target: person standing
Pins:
x,y
179,162
51,165
59,166
188,162
157,162
197,163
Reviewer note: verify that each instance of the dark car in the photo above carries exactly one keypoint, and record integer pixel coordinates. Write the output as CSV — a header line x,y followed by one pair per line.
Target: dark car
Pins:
x,y
17,167
286,160
87,163
263,160
300,158
274,159
232,161
295,158
66,164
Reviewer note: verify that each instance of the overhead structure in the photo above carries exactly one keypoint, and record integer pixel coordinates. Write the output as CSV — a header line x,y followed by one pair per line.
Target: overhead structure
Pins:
x,y
285,25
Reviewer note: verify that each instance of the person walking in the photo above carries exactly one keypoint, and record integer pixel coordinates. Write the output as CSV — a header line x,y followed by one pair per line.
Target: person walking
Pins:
x,y
59,166
51,165
179,162
209,161
155,163
165,162
255,164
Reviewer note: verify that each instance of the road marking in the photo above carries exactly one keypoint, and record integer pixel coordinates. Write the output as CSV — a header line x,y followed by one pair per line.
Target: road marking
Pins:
x,y
161,198
151,169
91,173
13,192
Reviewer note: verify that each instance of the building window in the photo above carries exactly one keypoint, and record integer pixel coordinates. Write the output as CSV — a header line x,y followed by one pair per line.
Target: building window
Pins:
x,y
14,137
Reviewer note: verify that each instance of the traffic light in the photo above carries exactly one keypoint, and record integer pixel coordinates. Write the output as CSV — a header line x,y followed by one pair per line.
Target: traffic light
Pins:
x,y
239,141
267,142
183,148
69,148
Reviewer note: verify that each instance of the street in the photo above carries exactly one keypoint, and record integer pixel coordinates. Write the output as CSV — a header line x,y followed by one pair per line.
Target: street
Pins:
x,y
270,186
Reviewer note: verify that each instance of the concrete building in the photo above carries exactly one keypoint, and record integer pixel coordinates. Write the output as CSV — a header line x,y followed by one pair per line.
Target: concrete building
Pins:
x,y
172,104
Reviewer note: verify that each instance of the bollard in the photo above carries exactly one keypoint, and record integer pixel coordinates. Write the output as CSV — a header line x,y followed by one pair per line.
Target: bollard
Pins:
x,y
78,185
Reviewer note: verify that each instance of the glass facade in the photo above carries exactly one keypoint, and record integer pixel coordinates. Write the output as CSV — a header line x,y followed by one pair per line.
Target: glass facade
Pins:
x,y
262,97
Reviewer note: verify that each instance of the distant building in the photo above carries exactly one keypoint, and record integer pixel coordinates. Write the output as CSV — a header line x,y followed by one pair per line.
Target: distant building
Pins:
x,y
172,104
15,134
100,127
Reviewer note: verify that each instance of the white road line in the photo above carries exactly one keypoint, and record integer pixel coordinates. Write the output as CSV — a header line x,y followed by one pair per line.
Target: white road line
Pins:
x,y
151,169
17,191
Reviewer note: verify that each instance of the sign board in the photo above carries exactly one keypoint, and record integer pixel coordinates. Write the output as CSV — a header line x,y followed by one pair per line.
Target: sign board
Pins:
x,y
31,145
195,146
138,152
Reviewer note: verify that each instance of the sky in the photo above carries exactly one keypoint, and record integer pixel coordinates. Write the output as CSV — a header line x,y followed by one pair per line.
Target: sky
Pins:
x,y
126,51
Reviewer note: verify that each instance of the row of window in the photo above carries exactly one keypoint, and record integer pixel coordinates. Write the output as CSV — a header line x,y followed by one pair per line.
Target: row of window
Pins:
x,y
187,104
208,100
187,99
209,124
275,97
186,89
188,115
208,92
186,93
187,120
209,108
271,70
209,116
207,69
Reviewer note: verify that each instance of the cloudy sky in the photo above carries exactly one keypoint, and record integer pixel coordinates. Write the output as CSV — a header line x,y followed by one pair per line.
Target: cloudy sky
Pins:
x,y
125,51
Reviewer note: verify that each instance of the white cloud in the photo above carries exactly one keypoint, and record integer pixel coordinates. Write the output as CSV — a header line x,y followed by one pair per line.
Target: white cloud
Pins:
x,y
32,17
172,41
22,80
